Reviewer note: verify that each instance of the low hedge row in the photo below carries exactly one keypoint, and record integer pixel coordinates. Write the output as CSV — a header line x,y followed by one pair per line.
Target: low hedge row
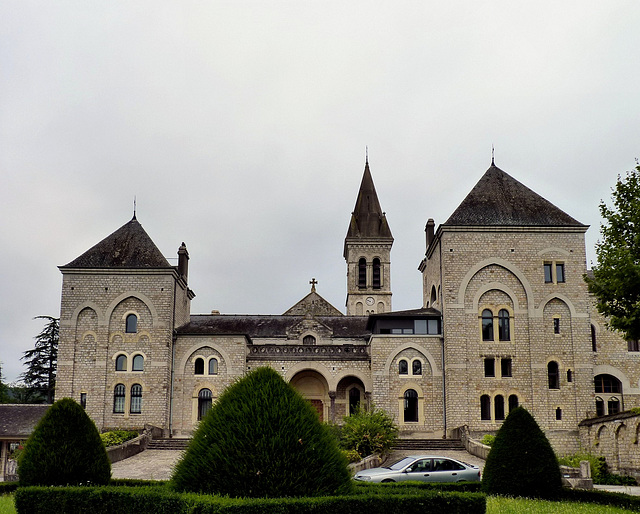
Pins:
x,y
8,487
462,487
624,501
153,500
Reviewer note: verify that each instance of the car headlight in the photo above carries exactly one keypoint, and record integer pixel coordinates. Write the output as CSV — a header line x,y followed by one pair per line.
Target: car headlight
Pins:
x,y
362,477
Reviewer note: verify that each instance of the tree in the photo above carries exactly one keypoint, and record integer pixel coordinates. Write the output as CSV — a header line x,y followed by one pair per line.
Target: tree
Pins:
x,y
41,361
4,398
616,277
262,439
64,449
521,461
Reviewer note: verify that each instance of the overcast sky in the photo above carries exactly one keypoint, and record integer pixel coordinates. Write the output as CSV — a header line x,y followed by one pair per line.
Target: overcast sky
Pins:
x,y
241,127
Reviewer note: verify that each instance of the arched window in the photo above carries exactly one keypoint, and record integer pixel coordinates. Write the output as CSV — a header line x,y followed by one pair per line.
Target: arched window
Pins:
x,y
613,405
410,406
204,402
354,400
416,366
503,325
199,366
569,375
607,384
376,273
309,340
513,402
118,399
553,374
132,324
487,325
485,407
362,273
121,363
138,363
498,407
213,366
434,298
403,367
599,406
558,414
136,399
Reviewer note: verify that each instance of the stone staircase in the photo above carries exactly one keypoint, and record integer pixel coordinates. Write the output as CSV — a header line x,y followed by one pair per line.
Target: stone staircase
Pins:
x,y
421,445
179,444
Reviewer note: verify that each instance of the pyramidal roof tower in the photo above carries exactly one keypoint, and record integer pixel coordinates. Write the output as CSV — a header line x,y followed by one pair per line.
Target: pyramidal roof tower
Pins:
x,y
367,250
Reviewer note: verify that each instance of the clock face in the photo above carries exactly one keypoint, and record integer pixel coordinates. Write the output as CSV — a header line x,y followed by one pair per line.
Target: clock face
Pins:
x,y
370,301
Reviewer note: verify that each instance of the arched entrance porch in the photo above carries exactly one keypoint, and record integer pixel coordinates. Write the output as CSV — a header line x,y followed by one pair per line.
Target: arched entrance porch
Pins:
x,y
315,388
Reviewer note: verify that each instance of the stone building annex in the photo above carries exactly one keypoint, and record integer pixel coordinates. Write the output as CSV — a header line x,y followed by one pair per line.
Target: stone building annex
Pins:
x,y
506,320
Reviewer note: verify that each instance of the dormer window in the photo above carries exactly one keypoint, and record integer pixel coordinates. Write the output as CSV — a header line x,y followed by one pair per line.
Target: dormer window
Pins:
x,y
131,324
309,340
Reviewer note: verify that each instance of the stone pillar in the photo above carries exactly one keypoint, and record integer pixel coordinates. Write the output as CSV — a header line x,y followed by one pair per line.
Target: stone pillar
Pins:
x,y
3,460
367,400
332,408
585,469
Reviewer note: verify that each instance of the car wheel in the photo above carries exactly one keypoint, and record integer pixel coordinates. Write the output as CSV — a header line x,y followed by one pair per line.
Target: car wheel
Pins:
x,y
388,481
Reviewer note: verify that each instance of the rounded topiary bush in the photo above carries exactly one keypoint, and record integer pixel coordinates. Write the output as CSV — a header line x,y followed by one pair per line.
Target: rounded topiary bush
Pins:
x,y
262,439
521,461
64,449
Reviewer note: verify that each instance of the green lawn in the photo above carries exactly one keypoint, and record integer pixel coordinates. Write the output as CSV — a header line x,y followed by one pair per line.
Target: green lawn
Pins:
x,y
495,505
6,504
499,504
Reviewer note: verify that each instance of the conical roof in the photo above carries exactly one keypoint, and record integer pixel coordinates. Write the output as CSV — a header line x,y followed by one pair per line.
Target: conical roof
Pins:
x,y
367,219
499,199
128,247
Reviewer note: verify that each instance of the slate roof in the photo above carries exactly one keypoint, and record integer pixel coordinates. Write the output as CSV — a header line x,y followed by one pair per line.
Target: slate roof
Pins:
x,y
128,247
269,326
19,420
367,219
499,199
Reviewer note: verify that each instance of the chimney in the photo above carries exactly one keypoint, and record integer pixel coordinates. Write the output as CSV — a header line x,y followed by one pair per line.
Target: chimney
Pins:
x,y
183,261
429,230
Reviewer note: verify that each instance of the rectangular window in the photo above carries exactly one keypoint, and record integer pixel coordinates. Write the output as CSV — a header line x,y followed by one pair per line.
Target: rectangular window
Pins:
x,y
83,400
556,325
433,326
633,345
489,367
547,273
559,272
505,367
420,326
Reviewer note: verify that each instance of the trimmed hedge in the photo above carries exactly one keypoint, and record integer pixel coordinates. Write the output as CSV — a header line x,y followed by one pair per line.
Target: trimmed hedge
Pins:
x,y
401,487
521,461
262,439
8,487
624,501
64,449
157,500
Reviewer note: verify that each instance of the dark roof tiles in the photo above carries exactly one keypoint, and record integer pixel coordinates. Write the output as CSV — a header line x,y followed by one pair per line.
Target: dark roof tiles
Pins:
x,y
19,420
500,200
128,247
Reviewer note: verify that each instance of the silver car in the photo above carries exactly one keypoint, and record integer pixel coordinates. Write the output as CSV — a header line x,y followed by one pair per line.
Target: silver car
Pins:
x,y
423,468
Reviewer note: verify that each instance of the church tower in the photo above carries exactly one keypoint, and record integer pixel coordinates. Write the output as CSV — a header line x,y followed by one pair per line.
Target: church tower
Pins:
x,y
367,250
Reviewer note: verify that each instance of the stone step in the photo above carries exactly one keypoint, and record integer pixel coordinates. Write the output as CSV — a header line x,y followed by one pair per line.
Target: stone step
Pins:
x,y
428,444
168,444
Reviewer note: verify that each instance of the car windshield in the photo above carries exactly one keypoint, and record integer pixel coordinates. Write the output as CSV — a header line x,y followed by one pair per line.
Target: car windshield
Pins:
x,y
401,463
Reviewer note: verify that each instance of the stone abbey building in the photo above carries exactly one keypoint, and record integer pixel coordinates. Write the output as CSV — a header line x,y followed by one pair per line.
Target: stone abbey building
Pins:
x,y
506,320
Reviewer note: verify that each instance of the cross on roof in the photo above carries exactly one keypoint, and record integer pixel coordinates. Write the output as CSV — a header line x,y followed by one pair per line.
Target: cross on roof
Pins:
x,y
313,283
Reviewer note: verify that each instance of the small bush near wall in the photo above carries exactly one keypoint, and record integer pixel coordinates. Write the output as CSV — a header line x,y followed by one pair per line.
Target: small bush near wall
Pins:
x,y
116,437
369,431
152,500
599,470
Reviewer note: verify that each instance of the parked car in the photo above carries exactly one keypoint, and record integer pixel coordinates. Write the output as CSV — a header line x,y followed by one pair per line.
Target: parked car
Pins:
x,y
423,468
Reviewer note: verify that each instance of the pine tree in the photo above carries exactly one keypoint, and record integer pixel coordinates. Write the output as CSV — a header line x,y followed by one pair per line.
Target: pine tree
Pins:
x,y
42,360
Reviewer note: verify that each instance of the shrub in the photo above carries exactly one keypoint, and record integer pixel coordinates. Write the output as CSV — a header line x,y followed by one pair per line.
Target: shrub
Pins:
x,y
262,439
352,455
369,431
116,437
488,439
64,448
598,464
521,461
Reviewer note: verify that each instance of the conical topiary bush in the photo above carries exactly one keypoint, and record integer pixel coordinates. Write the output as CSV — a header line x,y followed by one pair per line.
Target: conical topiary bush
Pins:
x,y
521,461
64,448
262,439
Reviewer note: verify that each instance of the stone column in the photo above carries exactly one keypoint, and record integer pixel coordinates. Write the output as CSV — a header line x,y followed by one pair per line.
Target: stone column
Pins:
x,y
367,400
332,408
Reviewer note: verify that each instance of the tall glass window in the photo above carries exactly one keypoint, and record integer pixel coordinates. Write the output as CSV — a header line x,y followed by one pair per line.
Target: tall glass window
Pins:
x,y
410,405
213,366
136,399
498,407
204,402
138,363
118,399
485,407
503,325
487,325
553,374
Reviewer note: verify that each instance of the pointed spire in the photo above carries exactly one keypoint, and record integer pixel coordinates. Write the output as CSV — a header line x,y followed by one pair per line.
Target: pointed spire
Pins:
x,y
134,208
493,162
367,218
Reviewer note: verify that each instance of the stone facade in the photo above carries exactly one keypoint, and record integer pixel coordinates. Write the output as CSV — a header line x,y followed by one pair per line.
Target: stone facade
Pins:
x,y
506,320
